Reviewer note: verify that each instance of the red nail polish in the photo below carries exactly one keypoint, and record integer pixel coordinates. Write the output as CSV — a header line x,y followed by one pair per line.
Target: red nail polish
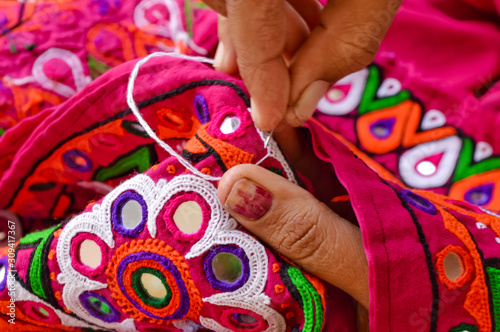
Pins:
x,y
249,199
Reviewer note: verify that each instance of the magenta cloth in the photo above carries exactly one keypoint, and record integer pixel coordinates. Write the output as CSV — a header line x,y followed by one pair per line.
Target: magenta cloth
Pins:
x,y
418,124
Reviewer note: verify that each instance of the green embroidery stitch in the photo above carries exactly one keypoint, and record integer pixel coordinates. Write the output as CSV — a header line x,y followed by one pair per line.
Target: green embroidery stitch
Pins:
x,y
103,307
30,47
13,48
313,307
464,328
35,270
2,131
276,170
140,160
464,168
368,102
97,68
134,128
144,295
189,17
494,275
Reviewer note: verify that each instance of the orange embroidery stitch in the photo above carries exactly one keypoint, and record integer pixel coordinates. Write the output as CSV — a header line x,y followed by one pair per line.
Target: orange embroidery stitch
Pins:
x,y
376,145
152,247
487,219
412,137
476,300
460,188
279,289
230,155
342,198
171,169
466,261
379,169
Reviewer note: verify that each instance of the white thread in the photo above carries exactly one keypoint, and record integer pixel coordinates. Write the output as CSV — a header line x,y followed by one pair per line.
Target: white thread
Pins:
x,y
389,87
263,158
274,319
347,104
432,119
483,150
127,325
19,81
489,211
72,60
274,151
186,325
409,160
131,103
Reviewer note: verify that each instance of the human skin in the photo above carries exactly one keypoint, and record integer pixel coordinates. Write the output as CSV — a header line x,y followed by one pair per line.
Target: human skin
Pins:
x,y
289,53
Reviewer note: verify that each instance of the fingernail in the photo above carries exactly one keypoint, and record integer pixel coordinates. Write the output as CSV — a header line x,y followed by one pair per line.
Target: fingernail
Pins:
x,y
219,56
306,104
249,199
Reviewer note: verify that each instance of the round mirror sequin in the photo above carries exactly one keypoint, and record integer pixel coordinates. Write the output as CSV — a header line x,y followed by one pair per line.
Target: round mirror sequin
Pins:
x,y
226,267
129,214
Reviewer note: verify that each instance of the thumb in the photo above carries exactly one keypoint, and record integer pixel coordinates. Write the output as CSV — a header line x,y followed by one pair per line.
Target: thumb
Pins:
x,y
298,226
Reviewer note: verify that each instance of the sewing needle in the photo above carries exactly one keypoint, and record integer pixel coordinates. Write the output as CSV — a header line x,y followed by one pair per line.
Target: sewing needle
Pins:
x,y
268,138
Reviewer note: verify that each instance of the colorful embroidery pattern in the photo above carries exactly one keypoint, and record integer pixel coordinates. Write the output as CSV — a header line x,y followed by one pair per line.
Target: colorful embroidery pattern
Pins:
x,y
391,125
185,301
159,249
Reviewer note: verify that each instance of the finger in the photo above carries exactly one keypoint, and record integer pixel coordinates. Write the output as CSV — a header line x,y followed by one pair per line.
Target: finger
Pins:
x,y
310,10
298,226
346,41
258,33
297,32
225,57
218,5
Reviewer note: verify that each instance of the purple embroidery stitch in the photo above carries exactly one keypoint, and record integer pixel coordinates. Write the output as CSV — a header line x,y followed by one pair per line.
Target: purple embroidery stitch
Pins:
x,y
4,262
168,265
201,107
382,128
418,201
480,195
222,285
116,214
72,157
95,311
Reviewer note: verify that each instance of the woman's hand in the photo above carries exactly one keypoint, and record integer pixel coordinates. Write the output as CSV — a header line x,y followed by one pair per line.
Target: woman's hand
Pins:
x,y
297,225
289,52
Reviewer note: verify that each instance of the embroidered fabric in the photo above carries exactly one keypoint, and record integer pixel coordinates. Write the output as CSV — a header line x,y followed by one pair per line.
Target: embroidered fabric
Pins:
x,y
135,230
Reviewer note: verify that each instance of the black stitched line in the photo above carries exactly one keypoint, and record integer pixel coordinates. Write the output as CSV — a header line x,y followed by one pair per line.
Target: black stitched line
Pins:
x,y
45,272
428,259
19,19
196,157
292,289
486,275
153,159
142,104
44,267
22,246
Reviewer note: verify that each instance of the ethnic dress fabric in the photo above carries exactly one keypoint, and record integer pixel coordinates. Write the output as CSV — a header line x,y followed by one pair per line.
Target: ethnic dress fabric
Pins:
x,y
413,138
